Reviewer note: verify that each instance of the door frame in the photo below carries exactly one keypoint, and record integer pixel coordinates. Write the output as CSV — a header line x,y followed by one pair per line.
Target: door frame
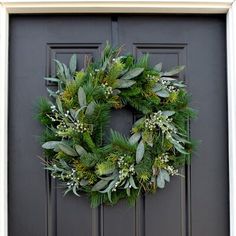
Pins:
x,y
8,7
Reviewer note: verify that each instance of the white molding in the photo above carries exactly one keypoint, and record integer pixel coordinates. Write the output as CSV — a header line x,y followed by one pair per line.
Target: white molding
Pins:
x,y
231,66
123,6
3,118
117,6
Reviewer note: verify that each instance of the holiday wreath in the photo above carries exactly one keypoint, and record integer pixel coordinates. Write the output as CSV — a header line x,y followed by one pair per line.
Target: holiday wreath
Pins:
x,y
77,115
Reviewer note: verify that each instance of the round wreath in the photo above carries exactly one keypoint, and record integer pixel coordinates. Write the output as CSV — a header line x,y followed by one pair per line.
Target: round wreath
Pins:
x,y
77,115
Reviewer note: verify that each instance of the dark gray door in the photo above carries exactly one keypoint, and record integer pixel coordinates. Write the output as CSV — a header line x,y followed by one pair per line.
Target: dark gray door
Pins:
x,y
196,205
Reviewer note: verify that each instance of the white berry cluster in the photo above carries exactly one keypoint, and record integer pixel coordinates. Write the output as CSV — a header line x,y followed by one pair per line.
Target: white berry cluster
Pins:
x,y
108,89
125,171
168,86
158,119
164,159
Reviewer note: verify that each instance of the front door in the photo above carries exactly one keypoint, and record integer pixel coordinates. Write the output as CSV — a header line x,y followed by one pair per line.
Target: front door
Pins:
x,y
196,205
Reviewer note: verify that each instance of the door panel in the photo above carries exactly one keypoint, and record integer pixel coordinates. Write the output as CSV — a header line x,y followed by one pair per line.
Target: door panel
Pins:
x,y
194,205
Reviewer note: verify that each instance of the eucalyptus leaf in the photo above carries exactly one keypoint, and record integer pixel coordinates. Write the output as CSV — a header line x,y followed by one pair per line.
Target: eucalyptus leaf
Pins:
x,y
163,93
52,79
162,177
157,87
82,97
50,144
73,63
174,71
59,70
84,182
80,150
158,67
180,85
100,185
128,192
160,181
135,138
168,113
67,149
74,189
132,73
140,151
110,186
90,108
66,72
59,104
132,183
52,93
121,83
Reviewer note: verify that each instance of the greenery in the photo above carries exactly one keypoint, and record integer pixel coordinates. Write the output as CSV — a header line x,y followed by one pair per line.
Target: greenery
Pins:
x,y
77,114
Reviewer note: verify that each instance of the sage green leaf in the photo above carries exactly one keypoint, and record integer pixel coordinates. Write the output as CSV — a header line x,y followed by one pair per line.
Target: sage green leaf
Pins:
x,y
135,138
84,182
110,186
160,181
67,150
59,104
74,189
180,85
82,97
132,73
60,70
52,93
80,150
162,177
139,122
163,93
50,144
90,108
52,79
174,71
181,150
158,67
100,185
168,113
132,183
157,87
165,175
73,63
140,151
128,192
66,72
121,83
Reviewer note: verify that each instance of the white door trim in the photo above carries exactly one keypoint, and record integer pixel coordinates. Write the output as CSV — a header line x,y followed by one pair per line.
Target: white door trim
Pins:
x,y
117,6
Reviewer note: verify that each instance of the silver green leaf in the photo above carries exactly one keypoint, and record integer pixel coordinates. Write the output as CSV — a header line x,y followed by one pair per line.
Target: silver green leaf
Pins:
x,y
52,79
67,149
82,97
174,71
135,138
158,67
73,63
80,150
90,108
100,185
163,93
132,183
50,144
59,104
162,177
140,151
132,73
168,113
121,83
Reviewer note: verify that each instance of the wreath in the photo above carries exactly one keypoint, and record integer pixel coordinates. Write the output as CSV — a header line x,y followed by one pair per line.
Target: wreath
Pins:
x,y
76,117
